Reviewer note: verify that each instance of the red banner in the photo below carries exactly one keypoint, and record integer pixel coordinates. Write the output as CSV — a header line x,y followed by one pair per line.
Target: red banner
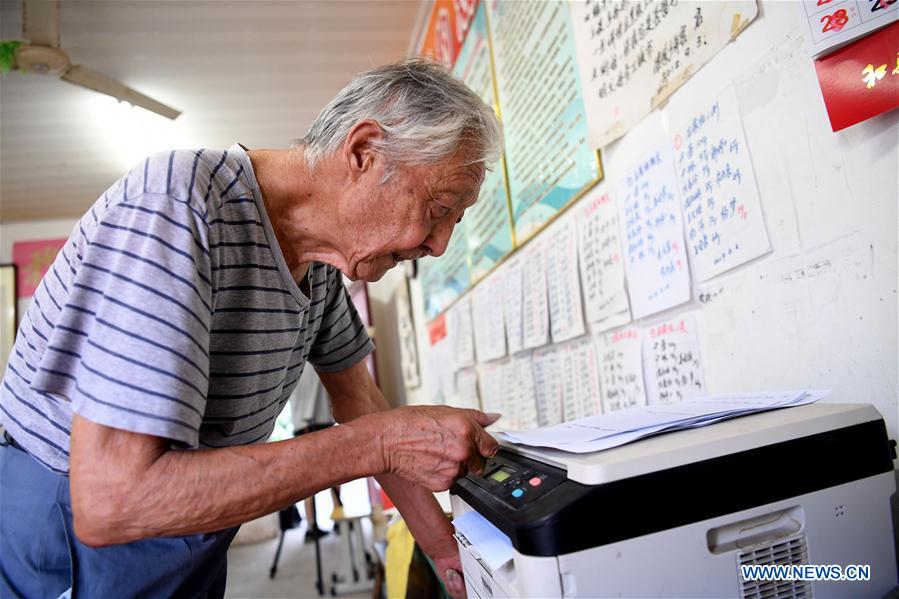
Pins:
x,y
449,24
861,80
33,260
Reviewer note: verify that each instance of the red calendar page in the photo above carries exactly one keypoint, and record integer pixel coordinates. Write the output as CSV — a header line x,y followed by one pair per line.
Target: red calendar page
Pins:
x,y
861,80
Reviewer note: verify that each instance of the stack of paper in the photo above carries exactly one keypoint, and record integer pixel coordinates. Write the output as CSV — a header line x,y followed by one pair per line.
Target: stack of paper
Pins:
x,y
596,433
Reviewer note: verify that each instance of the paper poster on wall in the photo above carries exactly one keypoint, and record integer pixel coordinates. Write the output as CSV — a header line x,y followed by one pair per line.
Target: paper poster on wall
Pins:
x,y
621,369
488,224
492,385
445,278
649,214
521,398
534,308
633,55
830,24
487,316
548,158
448,24
461,331
566,314
672,361
601,265
722,213
438,378
581,395
466,395
512,305
548,385
405,326
33,259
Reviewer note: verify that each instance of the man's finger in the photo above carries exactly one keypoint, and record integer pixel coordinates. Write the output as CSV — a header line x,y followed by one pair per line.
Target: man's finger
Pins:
x,y
483,419
476,463
486,444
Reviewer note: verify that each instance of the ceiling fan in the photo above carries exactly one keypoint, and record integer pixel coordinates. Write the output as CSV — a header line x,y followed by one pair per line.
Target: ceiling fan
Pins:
x,y
42,55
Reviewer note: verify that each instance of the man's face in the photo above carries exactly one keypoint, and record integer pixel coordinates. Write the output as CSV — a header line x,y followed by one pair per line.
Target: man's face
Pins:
x,y
411,215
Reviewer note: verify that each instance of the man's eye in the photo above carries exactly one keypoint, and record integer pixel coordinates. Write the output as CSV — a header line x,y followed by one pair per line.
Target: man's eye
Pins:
x,y
438,211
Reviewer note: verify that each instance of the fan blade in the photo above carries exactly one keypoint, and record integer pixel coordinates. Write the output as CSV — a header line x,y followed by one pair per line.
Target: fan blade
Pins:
x,y
98,82
40,22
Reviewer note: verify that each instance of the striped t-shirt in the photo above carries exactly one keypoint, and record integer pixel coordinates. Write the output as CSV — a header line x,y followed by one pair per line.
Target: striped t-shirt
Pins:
x,y
170,311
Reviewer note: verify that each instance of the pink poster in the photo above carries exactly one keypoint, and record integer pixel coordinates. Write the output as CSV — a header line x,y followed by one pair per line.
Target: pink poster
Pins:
x,y
33,259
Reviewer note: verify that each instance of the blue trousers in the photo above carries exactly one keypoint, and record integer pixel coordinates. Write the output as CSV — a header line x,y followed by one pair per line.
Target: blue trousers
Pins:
x,y
41,557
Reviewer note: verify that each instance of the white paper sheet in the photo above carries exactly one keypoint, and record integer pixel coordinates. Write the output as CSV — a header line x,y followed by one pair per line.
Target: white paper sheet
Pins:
x,y
672,361
489,542
633,54
601,265
535,309
722,214
466,395
649,210
491,384
566,314
462,333
512,303
580,380
621,369
438,378
548,385
610,430
831,24
521,392
487,316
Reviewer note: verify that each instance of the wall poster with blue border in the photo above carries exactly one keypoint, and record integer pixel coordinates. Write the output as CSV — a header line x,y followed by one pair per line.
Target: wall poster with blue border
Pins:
x,y
548,155
488,224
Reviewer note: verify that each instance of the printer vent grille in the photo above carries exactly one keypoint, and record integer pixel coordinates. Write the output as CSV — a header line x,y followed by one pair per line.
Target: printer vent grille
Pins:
x,y
788,551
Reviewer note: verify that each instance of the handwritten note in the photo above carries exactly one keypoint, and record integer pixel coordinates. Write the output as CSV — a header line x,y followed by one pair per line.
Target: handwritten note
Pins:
x,y
672,362
487,315
462,333
566,315
601,264
621,369
580,380
650,218
535,309
512,305
722,212
520,397
632,55
466,395
491,384
548,386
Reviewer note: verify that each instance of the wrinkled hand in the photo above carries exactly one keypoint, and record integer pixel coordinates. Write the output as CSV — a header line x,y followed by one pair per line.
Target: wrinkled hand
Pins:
x,y
449,567
432,446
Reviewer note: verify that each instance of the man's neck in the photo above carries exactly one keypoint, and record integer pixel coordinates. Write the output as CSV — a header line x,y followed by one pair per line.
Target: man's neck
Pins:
x,y
295,205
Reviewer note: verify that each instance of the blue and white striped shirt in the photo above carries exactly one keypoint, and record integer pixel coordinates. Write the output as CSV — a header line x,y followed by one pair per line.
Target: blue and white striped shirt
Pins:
x,y
170,311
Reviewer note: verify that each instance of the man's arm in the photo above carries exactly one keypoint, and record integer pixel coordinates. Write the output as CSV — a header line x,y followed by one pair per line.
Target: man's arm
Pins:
x,y
354,394
128,486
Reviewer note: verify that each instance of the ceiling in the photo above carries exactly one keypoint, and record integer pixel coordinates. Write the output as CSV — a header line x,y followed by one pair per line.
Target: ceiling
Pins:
x,y
255,72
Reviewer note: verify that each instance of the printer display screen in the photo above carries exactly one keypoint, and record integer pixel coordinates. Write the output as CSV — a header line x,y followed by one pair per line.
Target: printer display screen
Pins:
x,y
501,474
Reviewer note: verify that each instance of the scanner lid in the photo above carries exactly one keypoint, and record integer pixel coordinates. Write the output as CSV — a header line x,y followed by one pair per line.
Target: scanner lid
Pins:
x,y
680,448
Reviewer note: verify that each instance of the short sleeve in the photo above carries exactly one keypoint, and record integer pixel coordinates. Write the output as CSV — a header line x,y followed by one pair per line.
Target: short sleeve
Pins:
x,y
342,340
130,348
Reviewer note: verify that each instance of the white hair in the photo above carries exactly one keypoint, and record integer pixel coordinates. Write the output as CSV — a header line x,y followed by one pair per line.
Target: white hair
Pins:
x,y
426,114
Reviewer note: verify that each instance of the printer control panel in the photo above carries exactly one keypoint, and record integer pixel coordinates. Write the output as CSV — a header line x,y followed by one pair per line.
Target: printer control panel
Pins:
x,y
517,481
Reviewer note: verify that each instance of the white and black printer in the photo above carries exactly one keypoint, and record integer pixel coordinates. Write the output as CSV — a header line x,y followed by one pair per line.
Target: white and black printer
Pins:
x,y
676,515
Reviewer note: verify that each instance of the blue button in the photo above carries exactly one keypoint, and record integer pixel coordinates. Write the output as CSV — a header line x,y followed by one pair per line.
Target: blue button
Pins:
x,y
517,493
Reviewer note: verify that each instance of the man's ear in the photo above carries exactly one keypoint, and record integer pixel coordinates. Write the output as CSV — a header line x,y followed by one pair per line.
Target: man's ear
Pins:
x,y
359,150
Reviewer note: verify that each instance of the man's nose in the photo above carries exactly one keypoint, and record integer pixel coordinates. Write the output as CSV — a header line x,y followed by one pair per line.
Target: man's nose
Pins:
x,y
440,236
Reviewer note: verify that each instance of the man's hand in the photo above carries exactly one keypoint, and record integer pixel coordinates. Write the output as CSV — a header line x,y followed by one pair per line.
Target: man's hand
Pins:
x,y
432,446
449,567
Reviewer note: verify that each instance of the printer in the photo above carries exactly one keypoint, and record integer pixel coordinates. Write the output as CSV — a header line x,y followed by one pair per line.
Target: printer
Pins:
x,y
677,514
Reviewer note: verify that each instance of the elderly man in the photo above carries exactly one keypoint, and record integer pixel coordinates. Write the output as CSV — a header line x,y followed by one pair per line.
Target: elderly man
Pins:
x,y
172,327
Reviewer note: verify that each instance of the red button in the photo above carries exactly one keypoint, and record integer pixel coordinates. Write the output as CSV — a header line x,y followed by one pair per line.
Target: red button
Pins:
x,y
535,482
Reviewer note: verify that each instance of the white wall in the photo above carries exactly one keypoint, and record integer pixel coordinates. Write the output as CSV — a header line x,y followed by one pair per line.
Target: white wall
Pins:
x,y
828,198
